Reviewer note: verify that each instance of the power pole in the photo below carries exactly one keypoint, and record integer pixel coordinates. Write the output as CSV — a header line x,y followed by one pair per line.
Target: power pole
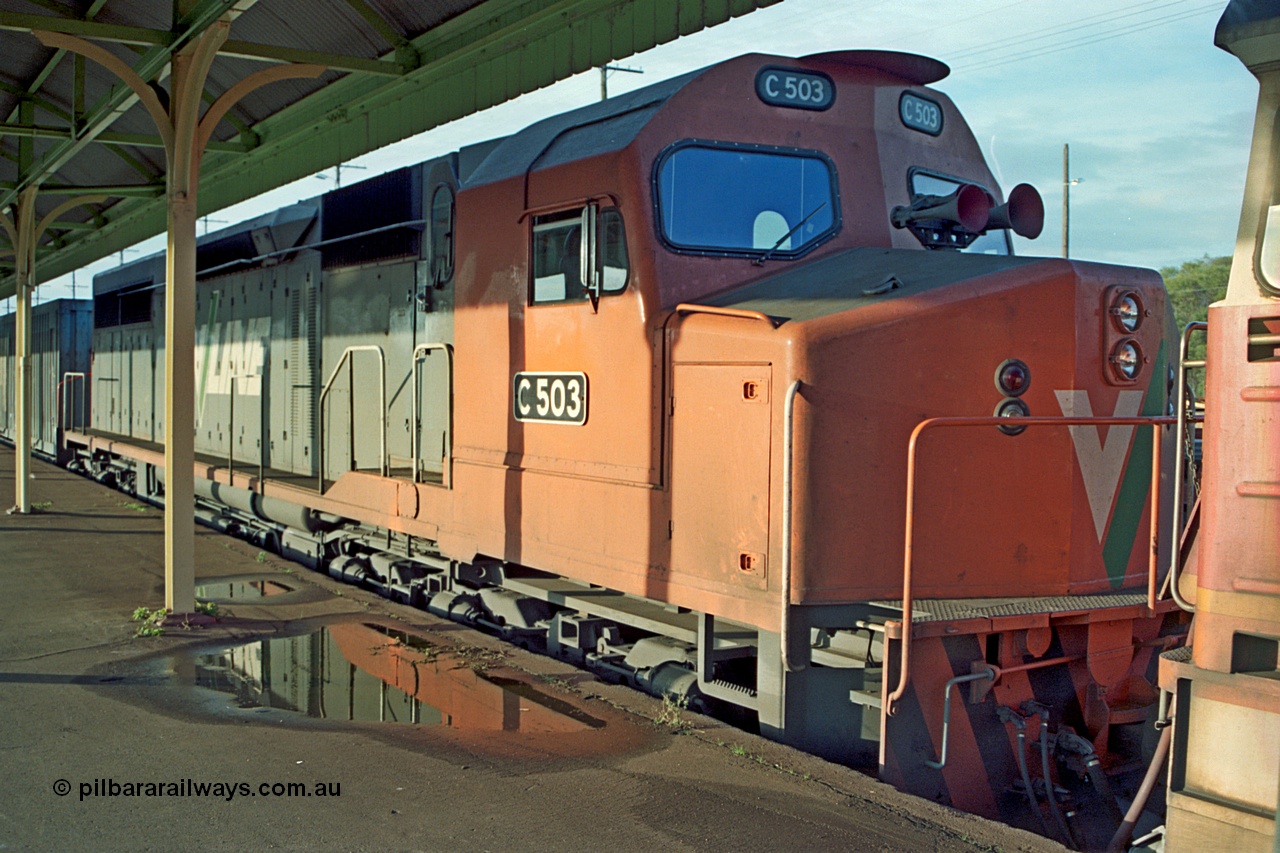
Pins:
x,y
1067,183
604,77
337,173
205,220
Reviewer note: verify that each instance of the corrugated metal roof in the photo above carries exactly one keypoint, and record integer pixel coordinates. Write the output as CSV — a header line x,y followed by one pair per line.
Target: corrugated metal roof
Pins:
x,y
396,67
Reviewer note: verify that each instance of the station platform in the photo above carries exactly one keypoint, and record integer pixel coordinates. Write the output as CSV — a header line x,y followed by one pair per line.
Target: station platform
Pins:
x,y
410,733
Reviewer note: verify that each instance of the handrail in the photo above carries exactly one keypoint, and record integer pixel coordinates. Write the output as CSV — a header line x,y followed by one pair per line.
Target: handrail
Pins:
x,y
351,406
988,672
569,204
112,398
690,308
420,353
231,433
904,668
1180,437
788,433
84,407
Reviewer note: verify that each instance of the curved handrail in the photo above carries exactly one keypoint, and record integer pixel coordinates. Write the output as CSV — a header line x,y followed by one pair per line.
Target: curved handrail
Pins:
x,y
788,438
382,405
904,666
420,353
231,434
64,403
747,314
1180,437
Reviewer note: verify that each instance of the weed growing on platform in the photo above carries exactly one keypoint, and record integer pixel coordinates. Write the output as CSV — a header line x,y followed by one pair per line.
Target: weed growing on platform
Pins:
x,y
208,608
150,620
262,557
43,506
136,507
479,660
670,713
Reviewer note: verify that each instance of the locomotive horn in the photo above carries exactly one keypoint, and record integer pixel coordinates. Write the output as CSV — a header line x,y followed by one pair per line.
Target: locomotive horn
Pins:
x,y
967,207
1023,212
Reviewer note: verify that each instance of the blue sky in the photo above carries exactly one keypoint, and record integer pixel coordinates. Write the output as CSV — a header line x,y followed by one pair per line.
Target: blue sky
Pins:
x,y
1158,119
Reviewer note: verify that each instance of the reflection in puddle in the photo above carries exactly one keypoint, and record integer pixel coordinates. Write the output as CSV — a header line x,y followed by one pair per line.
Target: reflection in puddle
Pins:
x,y
239,591
369,673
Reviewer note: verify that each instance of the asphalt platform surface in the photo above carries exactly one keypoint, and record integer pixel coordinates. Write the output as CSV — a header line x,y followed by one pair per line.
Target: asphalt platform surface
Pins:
x,y
106,744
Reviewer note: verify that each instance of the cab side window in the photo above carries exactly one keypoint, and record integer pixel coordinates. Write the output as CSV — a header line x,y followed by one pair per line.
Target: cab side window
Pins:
x,y
442,235
578,253
613,251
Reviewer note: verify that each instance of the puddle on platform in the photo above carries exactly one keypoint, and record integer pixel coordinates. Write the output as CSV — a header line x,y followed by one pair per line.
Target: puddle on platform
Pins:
x,y
240,592
368,673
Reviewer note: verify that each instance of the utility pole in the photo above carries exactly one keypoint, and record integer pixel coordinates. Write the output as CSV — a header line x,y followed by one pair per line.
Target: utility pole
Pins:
x,y
1067,183
604,77
205,220
337,173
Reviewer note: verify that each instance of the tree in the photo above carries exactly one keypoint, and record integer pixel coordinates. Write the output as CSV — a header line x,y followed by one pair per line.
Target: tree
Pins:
x,y
1192,288
1194,285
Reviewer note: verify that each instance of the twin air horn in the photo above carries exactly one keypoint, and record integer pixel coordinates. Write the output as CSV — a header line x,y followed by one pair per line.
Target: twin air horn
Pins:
x,y
956,220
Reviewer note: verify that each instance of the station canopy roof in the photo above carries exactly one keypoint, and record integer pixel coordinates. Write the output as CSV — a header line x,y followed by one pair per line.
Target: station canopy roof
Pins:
x,y
394,68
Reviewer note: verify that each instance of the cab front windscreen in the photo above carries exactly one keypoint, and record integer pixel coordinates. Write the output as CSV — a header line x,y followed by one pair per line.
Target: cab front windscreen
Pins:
x,y
723,198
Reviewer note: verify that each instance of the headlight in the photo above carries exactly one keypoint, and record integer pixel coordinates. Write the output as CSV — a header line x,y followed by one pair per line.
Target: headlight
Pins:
x,y
1126,360
1126,311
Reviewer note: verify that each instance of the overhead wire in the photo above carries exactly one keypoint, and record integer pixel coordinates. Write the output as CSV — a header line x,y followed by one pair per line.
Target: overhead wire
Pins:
x,y
1101,18
995,62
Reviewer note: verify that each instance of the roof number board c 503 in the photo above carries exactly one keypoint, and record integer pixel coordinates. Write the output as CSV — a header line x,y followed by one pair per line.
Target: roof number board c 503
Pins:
x,y
919,113
557,398
789,87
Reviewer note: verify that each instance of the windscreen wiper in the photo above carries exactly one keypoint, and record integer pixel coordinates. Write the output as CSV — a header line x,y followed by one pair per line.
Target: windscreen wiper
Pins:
x,y
759,262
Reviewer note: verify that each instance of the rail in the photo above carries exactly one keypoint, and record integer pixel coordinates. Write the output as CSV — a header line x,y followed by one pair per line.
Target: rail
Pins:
x,y
231,433
65,422
690,308
904,666
987,674
346,358
112,397
1180,437
420,354
784,627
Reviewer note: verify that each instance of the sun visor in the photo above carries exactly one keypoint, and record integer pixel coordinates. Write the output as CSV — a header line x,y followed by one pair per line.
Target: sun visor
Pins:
x,y
913,68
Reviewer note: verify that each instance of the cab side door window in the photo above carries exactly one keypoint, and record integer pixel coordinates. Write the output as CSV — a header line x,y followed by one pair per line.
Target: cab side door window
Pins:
x,y
578,255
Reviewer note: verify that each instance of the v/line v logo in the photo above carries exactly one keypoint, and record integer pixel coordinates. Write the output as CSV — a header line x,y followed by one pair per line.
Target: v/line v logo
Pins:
x,y
1101,464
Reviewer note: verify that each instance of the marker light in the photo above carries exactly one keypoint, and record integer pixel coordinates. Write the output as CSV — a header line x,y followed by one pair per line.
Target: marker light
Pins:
x,y
1126,360
1126,311
1013,377
1012,407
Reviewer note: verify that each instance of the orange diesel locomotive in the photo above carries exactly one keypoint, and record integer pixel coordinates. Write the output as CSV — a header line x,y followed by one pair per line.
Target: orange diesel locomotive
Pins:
x,y
638,383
